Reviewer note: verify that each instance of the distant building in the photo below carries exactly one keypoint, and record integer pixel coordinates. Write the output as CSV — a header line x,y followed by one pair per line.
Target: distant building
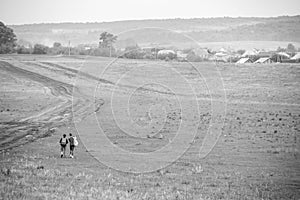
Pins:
x,y
215,58
283,54
264,60
296,57
222,50
166,52
181,56
203,53
265,54
281,57
221,57
244,61
221,54
250,53
87,46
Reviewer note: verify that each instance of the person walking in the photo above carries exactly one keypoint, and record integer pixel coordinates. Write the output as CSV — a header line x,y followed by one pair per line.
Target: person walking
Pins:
x,y
72,145
63,144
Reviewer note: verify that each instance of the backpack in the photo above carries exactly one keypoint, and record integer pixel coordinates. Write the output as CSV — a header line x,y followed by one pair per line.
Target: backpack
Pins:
x,y
63,141
75,141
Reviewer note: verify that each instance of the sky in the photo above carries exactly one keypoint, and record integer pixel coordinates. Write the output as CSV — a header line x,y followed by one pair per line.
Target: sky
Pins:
x,y
54,11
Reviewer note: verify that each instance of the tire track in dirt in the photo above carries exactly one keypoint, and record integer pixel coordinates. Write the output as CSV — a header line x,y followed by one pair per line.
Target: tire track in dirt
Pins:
x,y
214,97
57,88
40,124
77,72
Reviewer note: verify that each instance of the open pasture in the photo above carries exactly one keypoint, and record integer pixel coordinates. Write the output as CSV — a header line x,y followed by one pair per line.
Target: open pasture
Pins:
x,y
142,106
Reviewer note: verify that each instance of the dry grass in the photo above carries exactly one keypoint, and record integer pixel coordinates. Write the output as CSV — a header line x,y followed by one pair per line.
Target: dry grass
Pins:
x,y
25,177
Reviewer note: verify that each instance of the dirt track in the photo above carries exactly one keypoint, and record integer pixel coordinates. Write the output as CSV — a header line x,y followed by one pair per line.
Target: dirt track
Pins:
x,y
38,123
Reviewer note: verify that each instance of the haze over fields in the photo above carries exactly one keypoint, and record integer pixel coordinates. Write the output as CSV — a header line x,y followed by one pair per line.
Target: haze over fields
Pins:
x,y
209,32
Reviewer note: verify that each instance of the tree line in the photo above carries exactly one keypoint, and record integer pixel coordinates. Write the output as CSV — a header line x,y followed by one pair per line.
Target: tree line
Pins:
x,y
8,44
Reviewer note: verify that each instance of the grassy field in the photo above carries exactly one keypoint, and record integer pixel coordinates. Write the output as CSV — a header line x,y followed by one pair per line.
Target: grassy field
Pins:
x,y
141,106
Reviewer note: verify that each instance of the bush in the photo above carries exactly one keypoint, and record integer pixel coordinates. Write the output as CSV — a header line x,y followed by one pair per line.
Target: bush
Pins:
x,y
105,52
241,51
58,49
291,48
40,49
192,57
24,50
167,57
134,52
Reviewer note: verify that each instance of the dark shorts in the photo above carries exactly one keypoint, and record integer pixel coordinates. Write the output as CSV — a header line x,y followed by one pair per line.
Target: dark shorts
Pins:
x,y
63,147
72,147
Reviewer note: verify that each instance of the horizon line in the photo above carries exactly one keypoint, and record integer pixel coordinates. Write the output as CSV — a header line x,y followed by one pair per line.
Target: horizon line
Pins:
x,y
149,19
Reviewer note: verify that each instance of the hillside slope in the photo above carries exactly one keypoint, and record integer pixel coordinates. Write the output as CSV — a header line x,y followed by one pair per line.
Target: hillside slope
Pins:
x,y
168,31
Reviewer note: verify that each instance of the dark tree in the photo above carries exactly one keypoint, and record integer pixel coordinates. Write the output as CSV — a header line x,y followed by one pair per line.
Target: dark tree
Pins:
x,y
20,49
291,48
241,51
279,49
57,49
134,52
106,40
7,39
57,45
40,49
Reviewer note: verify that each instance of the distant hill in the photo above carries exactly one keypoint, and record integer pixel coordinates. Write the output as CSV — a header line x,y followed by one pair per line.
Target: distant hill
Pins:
x,y
167,32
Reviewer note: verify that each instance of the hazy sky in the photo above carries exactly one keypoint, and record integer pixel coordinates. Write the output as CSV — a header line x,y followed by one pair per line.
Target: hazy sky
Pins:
x,y
39,11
